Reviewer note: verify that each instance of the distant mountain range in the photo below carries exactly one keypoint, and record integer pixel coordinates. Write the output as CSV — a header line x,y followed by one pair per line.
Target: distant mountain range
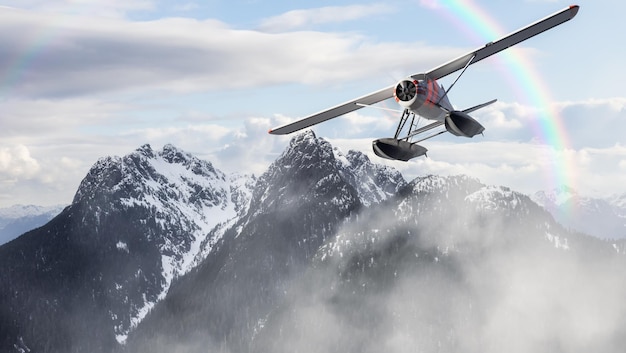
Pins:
x,y
325,251
602,218
18,219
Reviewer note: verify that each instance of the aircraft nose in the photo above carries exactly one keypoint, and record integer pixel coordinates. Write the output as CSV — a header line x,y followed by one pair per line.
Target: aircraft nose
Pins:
x,y
406,90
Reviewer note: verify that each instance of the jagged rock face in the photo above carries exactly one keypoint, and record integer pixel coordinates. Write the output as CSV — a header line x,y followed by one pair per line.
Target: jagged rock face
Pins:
x,y
373,182
318,161
305,173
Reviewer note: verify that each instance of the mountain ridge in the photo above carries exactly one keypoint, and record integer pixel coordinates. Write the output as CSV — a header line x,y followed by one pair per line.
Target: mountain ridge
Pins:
x,y
161,251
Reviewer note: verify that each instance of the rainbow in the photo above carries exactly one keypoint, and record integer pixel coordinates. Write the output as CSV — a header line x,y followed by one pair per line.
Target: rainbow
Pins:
x,y
18,65
527,83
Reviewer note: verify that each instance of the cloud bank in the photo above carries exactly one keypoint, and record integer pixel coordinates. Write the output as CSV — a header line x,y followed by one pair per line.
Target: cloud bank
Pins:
x,y
302,19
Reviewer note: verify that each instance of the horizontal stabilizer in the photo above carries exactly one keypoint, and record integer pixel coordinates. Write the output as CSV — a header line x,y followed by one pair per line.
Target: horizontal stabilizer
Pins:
x,y
480,106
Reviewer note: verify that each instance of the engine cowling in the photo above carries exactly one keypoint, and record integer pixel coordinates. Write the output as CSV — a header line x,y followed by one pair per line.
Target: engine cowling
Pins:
x,y
461,124
406,93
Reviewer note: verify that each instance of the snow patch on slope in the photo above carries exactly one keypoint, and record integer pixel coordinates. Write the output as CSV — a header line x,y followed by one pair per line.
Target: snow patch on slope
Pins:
x,y
373,182
495,198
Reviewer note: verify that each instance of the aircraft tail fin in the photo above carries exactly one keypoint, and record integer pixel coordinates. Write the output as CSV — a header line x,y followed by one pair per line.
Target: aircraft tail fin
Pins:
x,y
480,106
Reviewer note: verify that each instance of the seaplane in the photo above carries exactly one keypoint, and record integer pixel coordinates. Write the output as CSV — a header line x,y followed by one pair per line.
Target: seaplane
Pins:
x,y
422,96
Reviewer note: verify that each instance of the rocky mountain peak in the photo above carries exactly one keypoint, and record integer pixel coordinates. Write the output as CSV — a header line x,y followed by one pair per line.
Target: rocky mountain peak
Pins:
x,y
146,170
175,198
305,171
305,150
311,166
146,150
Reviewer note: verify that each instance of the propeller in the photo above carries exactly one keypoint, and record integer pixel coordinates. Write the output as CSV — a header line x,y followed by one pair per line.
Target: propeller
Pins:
x,y
406,90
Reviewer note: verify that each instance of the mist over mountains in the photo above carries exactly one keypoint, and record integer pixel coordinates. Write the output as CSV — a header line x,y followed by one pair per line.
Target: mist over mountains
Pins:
x,y
160,251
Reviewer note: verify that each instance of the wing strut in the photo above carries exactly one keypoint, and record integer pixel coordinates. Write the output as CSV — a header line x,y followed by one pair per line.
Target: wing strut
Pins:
x,y
424,129
379,108
469,62
403,119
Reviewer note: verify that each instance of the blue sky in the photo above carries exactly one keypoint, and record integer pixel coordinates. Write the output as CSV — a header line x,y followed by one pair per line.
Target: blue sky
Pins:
x,y
84,79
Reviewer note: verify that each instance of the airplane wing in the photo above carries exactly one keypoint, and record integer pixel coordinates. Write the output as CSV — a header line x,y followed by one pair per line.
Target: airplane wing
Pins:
x,y
503,43
334,112
436,73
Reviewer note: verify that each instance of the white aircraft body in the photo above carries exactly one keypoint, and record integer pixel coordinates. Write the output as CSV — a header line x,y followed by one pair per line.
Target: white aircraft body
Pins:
x,y
422,96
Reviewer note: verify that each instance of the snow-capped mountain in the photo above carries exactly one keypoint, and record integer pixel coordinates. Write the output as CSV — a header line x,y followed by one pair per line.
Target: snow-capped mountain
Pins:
x,y
136,223
602,218
18,219
162,252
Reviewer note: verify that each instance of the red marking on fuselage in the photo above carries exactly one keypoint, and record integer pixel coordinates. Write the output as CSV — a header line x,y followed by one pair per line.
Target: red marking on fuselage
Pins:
x,y
433,93
428,91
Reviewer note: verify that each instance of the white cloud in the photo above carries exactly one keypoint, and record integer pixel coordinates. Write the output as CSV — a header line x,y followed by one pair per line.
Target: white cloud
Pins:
x,y
250,149
298,19
498,119
526,167
16,162
95,55
194,137
360,123
594,122
48,119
